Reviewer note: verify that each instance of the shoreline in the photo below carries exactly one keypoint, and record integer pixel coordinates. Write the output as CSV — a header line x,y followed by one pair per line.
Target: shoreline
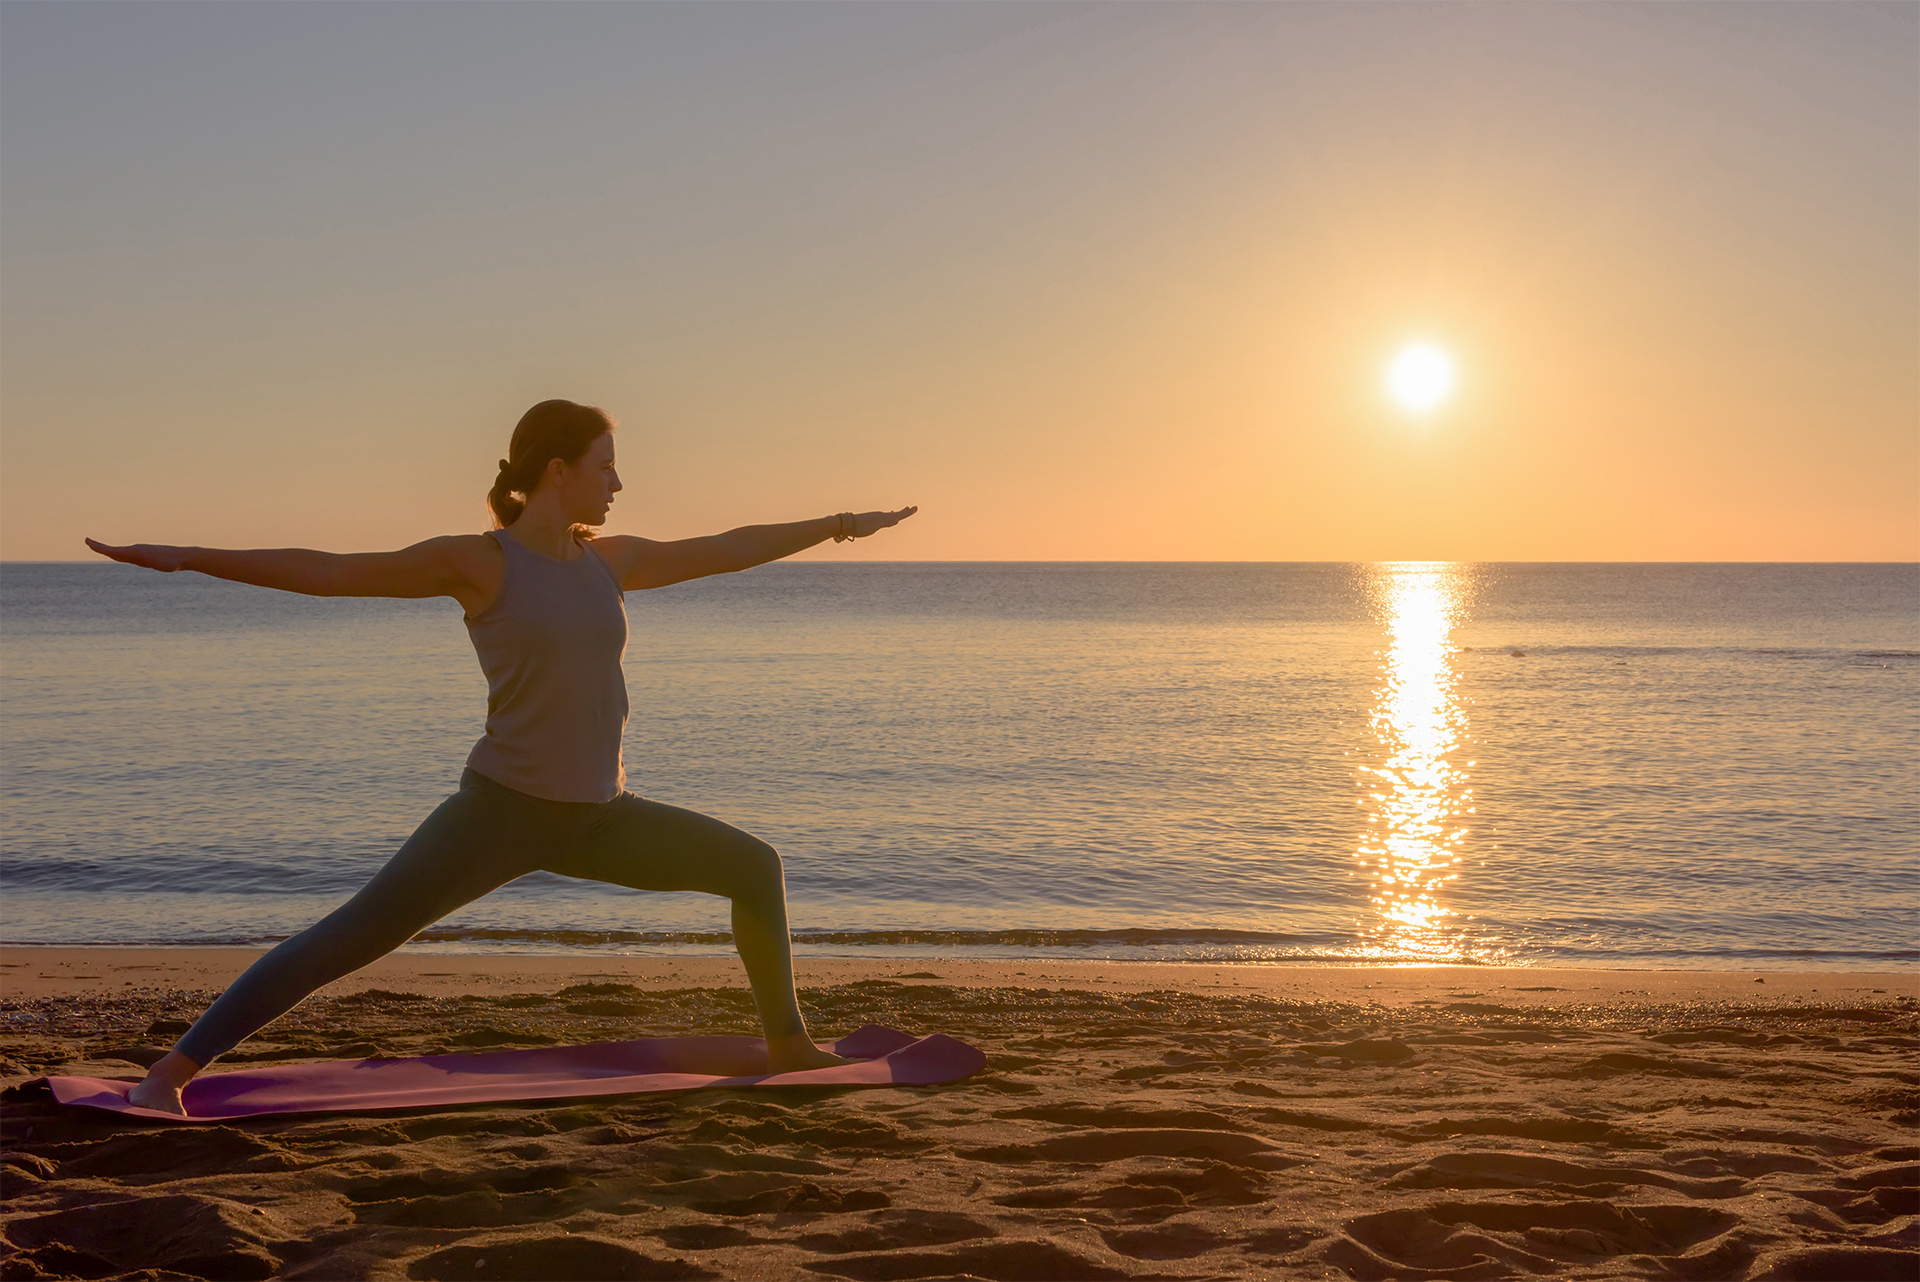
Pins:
x,y
29,972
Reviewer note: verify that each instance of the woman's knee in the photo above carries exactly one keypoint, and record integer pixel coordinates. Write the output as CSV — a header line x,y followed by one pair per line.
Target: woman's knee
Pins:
x,y
756,868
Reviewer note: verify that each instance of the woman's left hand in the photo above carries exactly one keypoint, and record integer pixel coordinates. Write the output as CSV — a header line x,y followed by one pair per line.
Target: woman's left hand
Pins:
x,y
865,523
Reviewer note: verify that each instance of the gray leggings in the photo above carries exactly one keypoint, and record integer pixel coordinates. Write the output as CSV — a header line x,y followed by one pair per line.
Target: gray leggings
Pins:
x,y
484,836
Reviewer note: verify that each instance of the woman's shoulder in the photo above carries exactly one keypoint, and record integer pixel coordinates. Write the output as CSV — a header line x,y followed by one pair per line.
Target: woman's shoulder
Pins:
x,y
615,551
608,544
471,553
487,544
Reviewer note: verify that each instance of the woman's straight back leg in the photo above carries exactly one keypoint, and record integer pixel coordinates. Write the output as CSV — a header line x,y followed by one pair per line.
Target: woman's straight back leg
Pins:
x,y
474,842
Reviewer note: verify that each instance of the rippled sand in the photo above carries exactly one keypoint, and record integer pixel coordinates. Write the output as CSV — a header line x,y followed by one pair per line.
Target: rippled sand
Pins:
x,y
1117,1133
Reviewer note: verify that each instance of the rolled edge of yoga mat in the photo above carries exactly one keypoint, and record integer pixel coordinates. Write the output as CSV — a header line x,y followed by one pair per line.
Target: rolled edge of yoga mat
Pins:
x,y
884,1057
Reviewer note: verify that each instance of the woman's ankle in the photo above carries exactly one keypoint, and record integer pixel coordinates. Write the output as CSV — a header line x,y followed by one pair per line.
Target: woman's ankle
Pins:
x,y
173,1069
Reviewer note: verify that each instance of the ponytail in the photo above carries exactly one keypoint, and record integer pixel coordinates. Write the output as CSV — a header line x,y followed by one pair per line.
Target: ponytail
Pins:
x,y
506,506
550,430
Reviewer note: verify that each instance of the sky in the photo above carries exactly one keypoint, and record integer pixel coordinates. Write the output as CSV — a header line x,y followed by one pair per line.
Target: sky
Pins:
x,y
1084,281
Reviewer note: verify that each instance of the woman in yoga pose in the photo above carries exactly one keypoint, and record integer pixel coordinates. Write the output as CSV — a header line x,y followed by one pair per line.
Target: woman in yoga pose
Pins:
x,y
542,789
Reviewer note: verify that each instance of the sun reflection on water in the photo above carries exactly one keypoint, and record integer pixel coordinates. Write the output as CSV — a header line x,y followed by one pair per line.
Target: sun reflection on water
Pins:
x,y
1416,792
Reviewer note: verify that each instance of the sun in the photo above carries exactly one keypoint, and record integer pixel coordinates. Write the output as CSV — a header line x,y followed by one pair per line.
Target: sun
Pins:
x,y
1420,378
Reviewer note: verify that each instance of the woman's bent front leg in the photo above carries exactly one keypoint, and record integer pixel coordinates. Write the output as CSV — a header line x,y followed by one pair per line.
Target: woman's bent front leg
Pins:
x,y
465,849
652,846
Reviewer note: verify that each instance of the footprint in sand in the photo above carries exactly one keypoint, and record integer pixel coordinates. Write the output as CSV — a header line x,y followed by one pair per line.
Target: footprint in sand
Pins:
x,y
540,1259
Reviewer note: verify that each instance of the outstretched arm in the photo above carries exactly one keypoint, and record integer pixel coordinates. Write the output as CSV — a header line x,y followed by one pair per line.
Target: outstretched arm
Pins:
x,y
645,563
454,565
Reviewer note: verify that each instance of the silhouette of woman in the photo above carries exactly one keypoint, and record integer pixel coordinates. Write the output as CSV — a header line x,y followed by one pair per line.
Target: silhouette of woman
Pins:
x,y
543,787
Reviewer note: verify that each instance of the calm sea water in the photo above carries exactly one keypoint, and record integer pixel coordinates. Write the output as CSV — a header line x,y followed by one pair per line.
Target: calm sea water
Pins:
x,y
1674,765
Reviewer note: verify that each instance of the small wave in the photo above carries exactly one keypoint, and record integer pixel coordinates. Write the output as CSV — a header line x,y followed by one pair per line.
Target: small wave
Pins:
x,y
1525,649
1140,944
1127,937
1125,944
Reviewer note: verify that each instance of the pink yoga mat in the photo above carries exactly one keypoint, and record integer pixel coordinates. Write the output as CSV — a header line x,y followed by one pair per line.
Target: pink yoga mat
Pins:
x,y
888,1057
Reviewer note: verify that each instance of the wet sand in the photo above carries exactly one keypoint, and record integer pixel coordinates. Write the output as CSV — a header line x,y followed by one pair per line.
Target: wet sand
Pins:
x,y
1159,1120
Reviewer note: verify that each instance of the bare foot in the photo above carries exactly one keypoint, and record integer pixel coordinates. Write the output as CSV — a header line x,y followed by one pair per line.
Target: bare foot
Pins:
x,y
793,1054
164,1081
157,1096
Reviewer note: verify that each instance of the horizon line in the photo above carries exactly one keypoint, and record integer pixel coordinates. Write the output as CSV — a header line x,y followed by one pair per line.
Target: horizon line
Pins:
x,y
103,561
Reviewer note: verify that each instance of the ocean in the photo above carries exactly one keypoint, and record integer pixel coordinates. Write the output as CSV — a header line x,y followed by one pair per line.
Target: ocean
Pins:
x,y
1708,766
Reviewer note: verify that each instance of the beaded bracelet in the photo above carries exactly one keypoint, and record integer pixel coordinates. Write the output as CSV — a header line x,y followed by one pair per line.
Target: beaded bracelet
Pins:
x,y
844,533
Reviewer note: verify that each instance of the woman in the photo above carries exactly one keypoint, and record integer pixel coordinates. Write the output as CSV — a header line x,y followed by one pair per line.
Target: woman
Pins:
x,y
542,789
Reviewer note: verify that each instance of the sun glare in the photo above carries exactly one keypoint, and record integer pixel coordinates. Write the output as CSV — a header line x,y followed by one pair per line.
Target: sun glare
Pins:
x,y
1420,377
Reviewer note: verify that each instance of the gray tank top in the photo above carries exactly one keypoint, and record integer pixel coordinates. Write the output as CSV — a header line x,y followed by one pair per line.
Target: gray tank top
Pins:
x,y
550,645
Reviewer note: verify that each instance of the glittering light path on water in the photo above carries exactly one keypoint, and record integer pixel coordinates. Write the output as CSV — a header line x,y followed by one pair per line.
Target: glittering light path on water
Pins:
x,y
1416,794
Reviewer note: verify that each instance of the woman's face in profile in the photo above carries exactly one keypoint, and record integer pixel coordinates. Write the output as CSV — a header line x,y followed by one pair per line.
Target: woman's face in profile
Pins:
x,y
587,487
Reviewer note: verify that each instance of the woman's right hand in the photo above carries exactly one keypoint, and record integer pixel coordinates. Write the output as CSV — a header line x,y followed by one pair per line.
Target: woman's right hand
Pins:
x,y
153,556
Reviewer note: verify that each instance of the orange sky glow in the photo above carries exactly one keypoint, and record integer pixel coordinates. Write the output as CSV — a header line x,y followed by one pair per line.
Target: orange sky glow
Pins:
x,y
1082,281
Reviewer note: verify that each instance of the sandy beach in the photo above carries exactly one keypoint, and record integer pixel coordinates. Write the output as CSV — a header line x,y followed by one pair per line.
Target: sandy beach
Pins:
x,y
1135,1120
